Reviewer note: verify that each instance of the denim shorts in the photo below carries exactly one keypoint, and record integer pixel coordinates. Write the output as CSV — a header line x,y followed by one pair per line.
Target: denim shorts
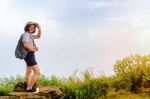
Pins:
x,y
30,59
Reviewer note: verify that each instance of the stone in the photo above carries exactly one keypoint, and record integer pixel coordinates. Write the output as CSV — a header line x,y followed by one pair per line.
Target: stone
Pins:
x,y
45,92
22,86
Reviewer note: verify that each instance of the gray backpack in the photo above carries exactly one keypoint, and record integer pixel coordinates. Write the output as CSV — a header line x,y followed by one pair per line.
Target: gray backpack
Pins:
x,y
20,51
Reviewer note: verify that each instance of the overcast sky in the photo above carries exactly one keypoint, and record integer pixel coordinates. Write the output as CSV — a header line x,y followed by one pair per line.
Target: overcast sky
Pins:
x,y
76,34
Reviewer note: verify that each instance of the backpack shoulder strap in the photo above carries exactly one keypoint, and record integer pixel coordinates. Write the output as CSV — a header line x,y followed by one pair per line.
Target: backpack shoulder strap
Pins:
x,y
33,41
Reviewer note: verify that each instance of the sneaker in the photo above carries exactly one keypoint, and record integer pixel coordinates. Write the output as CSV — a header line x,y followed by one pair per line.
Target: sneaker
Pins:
x,y
30,90
36,89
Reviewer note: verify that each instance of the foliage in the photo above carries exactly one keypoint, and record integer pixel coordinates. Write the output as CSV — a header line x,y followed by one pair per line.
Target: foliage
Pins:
x,y
132,73
133,70
88,87
7,84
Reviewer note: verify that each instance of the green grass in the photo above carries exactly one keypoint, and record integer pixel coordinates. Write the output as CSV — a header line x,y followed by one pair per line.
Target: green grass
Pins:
x,y
127,95
7,84
5,90
84,87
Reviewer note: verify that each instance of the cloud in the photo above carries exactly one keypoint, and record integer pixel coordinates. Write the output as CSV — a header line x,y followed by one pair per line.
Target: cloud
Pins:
x,y
13,20
4,4
133,20
100,3
74,36
8,19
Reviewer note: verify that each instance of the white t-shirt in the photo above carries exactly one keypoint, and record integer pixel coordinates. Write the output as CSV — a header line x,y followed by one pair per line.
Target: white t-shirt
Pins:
x,y
26,37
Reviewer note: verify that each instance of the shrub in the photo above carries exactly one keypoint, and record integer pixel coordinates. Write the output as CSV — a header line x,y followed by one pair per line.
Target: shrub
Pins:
x,y
133,70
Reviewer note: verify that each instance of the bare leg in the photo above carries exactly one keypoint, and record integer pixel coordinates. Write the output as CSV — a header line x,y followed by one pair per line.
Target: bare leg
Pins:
x,y
36,71
28,76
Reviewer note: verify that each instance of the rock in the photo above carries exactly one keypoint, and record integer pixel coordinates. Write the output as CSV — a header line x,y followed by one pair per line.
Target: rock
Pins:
x,y
8,97
22,86
47,92
25,95
54,92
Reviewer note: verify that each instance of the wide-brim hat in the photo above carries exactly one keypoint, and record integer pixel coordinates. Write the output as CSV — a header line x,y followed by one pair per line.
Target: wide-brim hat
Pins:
x,y
30,23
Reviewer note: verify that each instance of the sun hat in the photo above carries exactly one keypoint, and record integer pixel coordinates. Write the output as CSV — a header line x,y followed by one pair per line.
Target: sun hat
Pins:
x,y
30,22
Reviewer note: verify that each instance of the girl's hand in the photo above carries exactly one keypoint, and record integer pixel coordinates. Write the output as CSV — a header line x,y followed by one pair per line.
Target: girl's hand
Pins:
x,y
38,26
36,48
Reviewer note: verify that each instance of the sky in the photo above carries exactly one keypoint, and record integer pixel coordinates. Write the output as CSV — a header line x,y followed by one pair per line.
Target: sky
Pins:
x,y
76,34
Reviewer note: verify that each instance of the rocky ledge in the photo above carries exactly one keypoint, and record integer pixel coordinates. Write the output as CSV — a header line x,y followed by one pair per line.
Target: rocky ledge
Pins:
x,y
47,92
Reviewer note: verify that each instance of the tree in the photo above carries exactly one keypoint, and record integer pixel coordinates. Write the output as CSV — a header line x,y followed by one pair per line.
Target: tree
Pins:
x,y
134,70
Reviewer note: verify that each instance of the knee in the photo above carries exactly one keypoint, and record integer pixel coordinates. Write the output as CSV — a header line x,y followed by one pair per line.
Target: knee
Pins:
x,y
29,71
37,72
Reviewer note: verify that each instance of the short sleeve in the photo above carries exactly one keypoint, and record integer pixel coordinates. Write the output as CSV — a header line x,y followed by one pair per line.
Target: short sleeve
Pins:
x,y
25,37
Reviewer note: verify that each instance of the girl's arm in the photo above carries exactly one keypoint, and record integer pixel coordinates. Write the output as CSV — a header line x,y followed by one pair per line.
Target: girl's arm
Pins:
x,y
39,32
30,48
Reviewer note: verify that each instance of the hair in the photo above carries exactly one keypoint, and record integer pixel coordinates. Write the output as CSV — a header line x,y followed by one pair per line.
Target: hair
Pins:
x,y
26,28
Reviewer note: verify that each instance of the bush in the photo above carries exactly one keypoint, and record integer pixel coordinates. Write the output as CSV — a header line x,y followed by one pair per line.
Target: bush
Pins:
x,y
7,84
5,90
87,88
133,71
